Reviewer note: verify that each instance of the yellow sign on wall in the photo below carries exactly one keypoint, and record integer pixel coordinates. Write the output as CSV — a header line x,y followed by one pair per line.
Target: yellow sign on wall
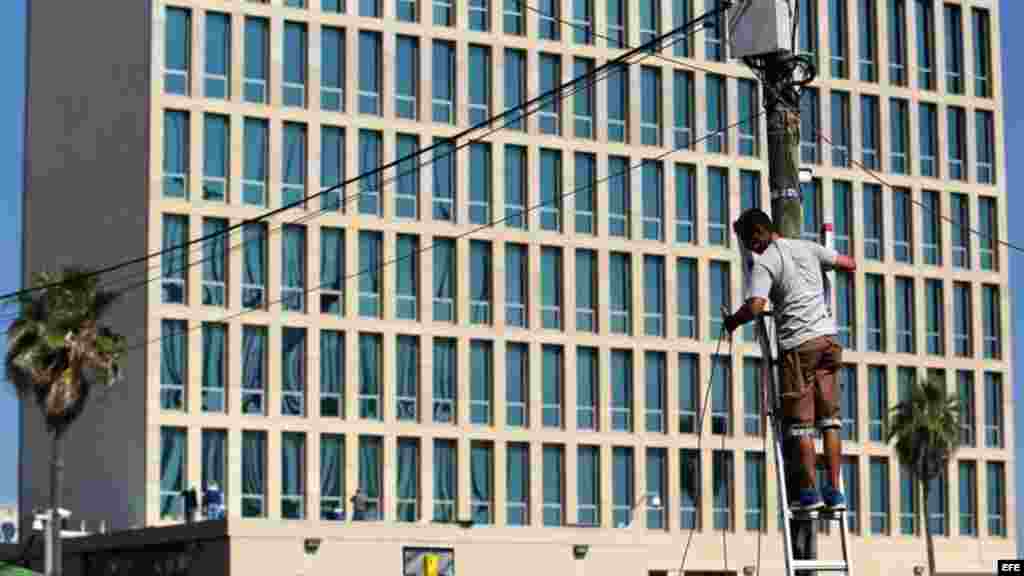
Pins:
x,y
430,564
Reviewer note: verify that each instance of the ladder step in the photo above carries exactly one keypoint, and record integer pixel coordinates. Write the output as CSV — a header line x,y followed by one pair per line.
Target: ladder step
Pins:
x,y
821,565
818,515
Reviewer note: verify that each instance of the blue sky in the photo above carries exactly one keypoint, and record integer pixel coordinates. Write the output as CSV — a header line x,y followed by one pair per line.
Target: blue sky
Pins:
x,y
12,53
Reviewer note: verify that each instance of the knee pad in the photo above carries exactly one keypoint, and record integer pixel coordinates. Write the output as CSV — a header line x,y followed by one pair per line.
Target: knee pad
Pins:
x,y
803,430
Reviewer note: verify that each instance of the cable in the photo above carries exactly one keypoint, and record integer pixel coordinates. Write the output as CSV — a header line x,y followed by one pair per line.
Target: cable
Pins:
x,y
491,224
511,112
961,225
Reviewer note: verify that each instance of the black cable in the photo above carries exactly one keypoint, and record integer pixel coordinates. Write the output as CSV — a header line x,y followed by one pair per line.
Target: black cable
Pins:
x,y
611,64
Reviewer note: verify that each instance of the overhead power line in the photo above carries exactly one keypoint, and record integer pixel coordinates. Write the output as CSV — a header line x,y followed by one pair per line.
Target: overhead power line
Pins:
x,y
612,64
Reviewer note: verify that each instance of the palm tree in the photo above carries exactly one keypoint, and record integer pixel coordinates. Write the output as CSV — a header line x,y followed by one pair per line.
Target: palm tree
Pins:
x,y
926,427
56,352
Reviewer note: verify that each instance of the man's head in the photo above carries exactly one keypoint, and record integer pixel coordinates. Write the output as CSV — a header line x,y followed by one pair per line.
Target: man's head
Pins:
x,y
755,229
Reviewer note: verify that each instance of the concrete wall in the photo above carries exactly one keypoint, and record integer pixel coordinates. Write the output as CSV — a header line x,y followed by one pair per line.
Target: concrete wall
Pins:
x,y
85,198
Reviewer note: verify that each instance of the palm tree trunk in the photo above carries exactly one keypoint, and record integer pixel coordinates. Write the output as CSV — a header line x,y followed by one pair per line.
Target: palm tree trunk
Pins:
x,y
56,490
929,543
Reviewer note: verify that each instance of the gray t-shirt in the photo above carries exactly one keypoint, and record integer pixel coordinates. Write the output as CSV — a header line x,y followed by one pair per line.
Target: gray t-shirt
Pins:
x,y
789,273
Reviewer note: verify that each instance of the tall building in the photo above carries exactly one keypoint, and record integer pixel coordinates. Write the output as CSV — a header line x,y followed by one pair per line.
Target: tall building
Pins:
x,y
510,391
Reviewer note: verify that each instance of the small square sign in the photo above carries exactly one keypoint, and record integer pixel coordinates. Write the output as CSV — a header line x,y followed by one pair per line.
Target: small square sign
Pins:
x,y
1010,567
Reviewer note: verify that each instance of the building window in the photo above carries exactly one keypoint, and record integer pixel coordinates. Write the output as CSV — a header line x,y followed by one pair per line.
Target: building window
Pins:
x,y
851,479
838,37
444,184
408,485
293,475
618,102
481,472
585,189
177,141
517,481
214,367
407,277
584,99
551,287
407,10
714,33
925,44
956,124
173,365
481,375
684,109
371,478
446,474
650,104
655,373
721,395
517,384
897,18
214,465
332,374
332,271
993,410
749,128
444,13
254,370
479,81
174,262
909,498
991,322
867,40
717,98
295,60
552,386
369,70
720,291
718,206
254,474
879,495
878,402
216,81
965,393
479,16
257,60
657,480
752,383
690,476
586,290
754,473
370,365
549,20
515,79
587,366
619,197
293,371
178,51
332,167
840,141
935,317
654,295
516,285
873,222
961,230
870,146
550,112
444,279
813,220
842,206
846,310
293,166
963,345
810,123
623,489
583,22
982,53
954,48
254,263
984,129
652,196
554,484
445,380
216,157
444,81
293,268
616,23
931,230
407,77
996,498
480,278
516,179
689,392
551,190
875,300
332,477
621,297
937,505
847,379
369,8
686,297
686,184
407,188
722,484
899,136
370,260
407,378
588,485
371,154
906,336
622,390
929,140
989,224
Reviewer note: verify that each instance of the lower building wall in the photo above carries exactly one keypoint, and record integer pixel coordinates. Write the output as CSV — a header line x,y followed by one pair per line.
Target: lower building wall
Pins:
x,y
372,550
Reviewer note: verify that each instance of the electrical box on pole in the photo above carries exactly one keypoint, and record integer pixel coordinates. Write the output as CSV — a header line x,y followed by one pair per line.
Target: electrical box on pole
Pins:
x,y
760,28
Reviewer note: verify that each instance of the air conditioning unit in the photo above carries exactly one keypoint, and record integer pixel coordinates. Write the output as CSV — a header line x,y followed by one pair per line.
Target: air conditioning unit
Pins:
x,y
760,28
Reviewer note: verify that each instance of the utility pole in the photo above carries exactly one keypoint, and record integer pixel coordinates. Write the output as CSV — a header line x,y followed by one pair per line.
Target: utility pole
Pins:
x,y
762,34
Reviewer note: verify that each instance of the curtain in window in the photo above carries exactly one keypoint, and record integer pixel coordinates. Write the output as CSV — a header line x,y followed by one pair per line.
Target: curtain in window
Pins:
x,y
408,248
255,158
480,279
407,375
294,160
214,251
444,379
552,485
172,380
173,260
655,368
443,256
689,486
480,476
255,48
214,459
293,453
294,270
332,474
172,470
369,159
622,485
295,53
254,468
444,479
370,262
518,483
294,377
332,162
214,337
551,367
587,489
369,370
369,474
332,256
253,364
254,238
215,153
408,479
332,362
480,377
218,43
176,146
551,277
444,180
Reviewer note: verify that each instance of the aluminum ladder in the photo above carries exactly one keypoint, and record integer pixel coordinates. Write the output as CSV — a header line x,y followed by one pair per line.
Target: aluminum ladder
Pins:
x,y
793,566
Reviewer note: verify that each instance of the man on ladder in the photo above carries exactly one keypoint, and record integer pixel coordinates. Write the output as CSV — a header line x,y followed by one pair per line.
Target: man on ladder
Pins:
x,y
788,272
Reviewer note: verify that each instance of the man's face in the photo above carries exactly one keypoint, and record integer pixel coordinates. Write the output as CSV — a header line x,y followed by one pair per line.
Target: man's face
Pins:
x,y
759,240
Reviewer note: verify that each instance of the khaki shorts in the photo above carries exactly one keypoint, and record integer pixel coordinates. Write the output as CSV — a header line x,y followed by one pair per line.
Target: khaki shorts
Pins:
x,y
809,390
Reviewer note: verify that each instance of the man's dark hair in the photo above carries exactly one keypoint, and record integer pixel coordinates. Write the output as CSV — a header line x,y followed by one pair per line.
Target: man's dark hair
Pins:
x,y
750,220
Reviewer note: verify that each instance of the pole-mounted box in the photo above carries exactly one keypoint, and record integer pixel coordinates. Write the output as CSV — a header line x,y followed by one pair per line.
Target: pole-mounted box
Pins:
x,y
760,28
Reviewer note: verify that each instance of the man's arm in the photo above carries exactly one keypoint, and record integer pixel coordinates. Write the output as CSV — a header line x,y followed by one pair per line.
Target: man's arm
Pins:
x,y
845,263
833,260
750,310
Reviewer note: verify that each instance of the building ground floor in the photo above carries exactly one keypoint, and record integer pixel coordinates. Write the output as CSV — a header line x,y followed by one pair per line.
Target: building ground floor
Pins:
x,y
249,547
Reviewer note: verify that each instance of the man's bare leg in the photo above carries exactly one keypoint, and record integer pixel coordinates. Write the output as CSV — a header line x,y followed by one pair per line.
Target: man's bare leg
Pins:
x,y
808,462
830,438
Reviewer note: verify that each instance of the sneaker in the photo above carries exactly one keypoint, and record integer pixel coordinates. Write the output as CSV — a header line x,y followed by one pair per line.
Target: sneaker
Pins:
x,y
834,499
809,500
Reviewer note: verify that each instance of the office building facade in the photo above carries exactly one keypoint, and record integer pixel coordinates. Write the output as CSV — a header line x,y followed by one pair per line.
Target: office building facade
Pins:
x,y
505,344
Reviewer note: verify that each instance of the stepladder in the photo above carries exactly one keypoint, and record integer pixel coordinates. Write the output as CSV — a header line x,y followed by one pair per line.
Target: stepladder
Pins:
x,y
776,426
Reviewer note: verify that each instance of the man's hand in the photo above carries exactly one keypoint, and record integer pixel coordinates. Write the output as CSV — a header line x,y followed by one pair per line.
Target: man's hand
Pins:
x,y
731,323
